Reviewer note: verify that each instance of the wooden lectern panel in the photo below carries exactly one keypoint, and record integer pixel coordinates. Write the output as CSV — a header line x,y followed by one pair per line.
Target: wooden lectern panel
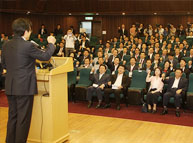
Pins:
x,y
50,113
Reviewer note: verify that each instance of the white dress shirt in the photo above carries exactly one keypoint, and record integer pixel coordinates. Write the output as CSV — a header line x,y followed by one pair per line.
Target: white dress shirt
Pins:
x,y
70,41
100,76
176,82
118,81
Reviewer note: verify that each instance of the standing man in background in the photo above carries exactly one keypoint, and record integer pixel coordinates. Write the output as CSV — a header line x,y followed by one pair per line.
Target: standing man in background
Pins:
x,y
70,42
18,58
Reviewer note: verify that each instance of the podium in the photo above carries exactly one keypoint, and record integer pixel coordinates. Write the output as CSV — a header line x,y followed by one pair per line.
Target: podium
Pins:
x,y
49,123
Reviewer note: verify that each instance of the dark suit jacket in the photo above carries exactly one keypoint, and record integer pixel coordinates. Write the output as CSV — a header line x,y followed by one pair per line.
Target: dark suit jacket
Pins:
x,y
112,67
57,50
86,43
183,84
19,58
175,62
58,32
109,63
143,63
95,79
120,31
129,68
124,83
187,72
45,31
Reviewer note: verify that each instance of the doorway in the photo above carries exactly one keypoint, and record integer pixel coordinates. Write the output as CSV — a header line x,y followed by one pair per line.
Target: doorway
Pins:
x,y
86,26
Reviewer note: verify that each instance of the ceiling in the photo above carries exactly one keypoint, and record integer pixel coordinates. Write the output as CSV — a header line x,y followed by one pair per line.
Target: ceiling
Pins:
x,y
98,7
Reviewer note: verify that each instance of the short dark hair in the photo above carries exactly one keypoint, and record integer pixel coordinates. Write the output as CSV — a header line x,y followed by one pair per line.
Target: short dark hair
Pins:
x,y
183,60
121,65
133,58
179,70
103,66
87,58
171,54
20,25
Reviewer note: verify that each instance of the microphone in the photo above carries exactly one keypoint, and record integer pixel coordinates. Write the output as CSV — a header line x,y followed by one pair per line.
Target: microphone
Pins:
x,y
53,62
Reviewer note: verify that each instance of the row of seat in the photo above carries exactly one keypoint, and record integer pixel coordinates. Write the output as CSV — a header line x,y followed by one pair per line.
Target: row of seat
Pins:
x,y
137,88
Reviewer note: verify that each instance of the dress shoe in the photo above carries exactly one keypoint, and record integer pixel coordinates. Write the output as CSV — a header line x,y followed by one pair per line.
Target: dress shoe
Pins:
x,y
154,111
89,104
107,106
177,113
149,110
164,112
98,106
118,107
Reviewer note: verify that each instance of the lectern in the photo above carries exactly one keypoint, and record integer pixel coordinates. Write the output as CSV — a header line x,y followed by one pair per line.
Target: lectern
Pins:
x,y
49,122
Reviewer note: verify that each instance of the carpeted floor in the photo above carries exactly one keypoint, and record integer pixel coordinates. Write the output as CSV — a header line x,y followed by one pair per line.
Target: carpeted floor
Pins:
x,y
131,112
3,99
134,112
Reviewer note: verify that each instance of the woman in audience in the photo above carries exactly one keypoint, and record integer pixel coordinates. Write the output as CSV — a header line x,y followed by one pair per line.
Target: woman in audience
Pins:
x,y
156,87
166,69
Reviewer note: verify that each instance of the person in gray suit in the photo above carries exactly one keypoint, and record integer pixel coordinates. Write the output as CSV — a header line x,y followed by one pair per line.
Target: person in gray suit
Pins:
x,y
19,58
100,81
177,88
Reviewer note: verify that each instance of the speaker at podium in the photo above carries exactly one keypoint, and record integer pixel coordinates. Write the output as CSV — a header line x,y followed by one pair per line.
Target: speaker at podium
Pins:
x,y
49,123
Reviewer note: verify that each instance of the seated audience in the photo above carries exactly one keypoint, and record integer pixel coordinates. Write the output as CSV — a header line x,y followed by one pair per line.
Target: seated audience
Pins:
x,y
132,66
177,87
155,90
99,81
166,69
117,85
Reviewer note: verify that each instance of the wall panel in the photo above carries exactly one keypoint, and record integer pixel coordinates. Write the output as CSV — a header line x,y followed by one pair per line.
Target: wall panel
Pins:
x,y
109,23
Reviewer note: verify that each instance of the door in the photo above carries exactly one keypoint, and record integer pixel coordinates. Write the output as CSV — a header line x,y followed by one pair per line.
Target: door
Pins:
x,y
97,29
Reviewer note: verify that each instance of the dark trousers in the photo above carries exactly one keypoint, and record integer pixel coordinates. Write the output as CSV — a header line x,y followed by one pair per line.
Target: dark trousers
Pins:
x,y
152,98
116,92
172,93
97,91
20,111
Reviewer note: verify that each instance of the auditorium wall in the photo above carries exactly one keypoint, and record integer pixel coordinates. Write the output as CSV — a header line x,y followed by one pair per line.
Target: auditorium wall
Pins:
x,y
109,22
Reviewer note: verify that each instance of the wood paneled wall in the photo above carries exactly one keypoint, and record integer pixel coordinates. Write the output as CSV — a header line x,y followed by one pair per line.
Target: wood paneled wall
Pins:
x,y
109,23
101,6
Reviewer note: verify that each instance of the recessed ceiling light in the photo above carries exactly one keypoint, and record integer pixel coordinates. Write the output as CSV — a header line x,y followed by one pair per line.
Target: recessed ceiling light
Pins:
x,y
123,13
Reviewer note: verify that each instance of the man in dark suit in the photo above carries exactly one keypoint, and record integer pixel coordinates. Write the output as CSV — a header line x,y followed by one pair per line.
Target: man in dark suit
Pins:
x,y
58,30
84,42
177,87
141,60
172,60
132,66
184,69
117,85
60,50
122,31
42,30
111,58
18,58
114,65
99,81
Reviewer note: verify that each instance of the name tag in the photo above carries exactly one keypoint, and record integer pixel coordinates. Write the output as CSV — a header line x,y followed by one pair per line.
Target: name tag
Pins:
x,y
95,85
130,74
114,87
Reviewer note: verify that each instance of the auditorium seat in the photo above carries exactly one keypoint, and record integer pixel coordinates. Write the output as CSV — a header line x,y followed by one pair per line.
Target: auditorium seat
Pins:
x,y
137,87
71,83
190,92
83,83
